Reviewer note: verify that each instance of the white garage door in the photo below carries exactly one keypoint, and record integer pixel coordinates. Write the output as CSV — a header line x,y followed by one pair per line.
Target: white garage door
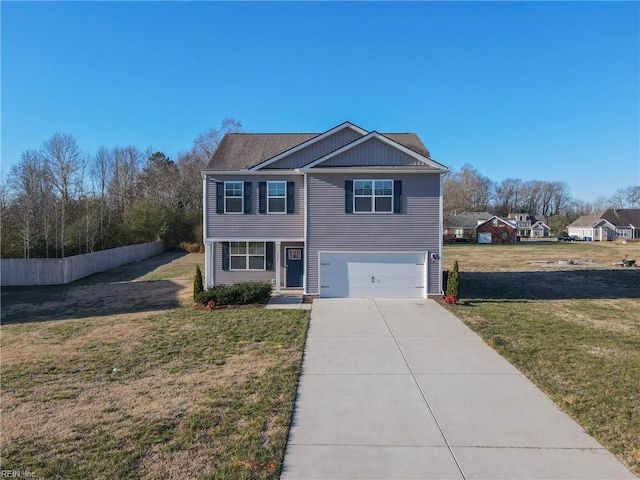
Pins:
x,y
349,274
484,237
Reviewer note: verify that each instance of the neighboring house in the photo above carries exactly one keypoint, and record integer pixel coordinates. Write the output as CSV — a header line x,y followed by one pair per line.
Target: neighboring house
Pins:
x,y
608,224
461,227
497,230
344,213
530,226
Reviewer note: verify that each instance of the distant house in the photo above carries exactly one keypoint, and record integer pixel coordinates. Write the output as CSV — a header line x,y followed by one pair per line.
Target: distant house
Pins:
x,y
461,227
606,225
497,230
530,226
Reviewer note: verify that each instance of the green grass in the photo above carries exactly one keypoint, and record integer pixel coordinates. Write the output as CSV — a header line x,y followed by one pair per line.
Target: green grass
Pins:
x,y
575,334
197,393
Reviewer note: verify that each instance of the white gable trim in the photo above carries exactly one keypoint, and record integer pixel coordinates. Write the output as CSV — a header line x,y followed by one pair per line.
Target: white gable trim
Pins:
x,y
500,219
599,224
540,223
382,138
309,142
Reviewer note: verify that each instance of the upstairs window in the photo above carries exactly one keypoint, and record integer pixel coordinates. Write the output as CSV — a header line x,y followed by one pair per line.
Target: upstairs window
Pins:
x,y
233,197
373,196
277,197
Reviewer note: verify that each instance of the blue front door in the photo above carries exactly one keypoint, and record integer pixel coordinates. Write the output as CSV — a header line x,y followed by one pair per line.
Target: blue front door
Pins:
x,y
295,266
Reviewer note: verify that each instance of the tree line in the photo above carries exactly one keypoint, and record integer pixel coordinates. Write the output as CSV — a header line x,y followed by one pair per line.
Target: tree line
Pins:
x,y
58,201
467,190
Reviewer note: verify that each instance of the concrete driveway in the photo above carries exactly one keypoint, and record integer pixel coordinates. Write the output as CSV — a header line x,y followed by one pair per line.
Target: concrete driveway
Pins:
x,y
402,389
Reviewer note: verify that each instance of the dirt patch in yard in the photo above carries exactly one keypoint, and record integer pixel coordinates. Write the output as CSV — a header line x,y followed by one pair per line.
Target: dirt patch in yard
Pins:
x,y
161,282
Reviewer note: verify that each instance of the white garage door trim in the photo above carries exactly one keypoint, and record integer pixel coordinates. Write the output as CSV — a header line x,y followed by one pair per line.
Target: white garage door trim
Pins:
x,y
372,274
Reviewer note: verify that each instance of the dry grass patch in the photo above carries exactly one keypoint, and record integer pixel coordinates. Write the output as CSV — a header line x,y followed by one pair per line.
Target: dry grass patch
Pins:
x,y
504,258
575,334
194,392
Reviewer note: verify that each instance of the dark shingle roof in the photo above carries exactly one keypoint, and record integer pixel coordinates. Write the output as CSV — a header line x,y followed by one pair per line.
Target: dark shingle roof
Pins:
x,y
239,151
588,220
617,217
465,219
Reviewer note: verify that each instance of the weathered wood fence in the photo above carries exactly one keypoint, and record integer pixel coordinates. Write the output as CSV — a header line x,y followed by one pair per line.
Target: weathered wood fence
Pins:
x,y
55,271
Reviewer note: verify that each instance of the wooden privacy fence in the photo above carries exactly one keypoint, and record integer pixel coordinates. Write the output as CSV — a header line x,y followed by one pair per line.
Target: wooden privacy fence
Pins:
x,y
55,271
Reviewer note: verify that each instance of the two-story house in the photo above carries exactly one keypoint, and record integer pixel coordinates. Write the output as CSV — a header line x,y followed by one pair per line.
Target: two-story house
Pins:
x,y
530,226
344,213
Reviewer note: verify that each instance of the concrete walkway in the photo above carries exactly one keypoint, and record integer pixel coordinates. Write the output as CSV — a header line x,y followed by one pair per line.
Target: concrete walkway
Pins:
x,y
287,302
402,389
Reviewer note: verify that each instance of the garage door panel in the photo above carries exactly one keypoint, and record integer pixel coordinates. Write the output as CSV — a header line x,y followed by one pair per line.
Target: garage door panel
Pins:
x,y
350,274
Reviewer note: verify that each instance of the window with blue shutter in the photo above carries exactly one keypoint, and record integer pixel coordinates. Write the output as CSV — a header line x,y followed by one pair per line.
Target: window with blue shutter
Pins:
x,y
225,255
262,197
397,196
291,187
348,196
219,197
247,197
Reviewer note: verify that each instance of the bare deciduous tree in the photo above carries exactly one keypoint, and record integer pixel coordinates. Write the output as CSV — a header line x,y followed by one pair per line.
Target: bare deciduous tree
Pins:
x,y
467,191
63,162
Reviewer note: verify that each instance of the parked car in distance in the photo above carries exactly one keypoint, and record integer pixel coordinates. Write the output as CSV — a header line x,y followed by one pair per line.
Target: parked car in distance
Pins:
x,y
568,238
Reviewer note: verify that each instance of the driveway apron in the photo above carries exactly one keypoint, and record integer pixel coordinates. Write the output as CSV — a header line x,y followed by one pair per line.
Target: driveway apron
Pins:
x,y
402,389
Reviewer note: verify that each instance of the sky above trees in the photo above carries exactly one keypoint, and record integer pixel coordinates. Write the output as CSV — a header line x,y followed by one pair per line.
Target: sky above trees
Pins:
x,y
543,91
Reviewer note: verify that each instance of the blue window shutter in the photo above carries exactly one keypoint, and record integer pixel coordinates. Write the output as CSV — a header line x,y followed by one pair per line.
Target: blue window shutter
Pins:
x,y
397,196
225,256
348,196
262,197
269,252
247,197
219,197
291,187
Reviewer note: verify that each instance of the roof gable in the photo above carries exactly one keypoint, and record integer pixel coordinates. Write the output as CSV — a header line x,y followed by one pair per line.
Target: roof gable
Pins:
x,y
375,150
314,147
504,221
540,224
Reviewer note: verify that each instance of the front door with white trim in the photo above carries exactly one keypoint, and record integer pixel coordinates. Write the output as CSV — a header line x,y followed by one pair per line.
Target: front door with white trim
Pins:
x,y
294,266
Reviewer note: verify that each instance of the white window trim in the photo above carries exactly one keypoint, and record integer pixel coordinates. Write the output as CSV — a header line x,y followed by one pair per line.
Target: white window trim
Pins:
x,y
285,198
246,256
224,198
372,196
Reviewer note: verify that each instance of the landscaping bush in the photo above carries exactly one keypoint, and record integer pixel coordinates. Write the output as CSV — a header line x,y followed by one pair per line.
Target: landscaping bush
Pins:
x,y
242,293
198,287
453,282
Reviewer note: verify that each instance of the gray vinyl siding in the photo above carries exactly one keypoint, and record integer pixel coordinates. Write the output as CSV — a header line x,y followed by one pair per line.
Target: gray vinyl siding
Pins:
x,y
229,277
255,225
371,153
417,228
317,150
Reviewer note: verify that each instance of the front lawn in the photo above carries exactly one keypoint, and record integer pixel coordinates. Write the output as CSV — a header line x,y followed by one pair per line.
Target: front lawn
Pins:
x,y
176,393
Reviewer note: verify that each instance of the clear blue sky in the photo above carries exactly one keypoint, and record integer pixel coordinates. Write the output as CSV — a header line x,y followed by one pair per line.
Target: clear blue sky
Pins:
x,y
547,91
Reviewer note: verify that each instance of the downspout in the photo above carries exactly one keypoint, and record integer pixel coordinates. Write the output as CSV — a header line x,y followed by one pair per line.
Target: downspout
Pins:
x,y
441,228
207,250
